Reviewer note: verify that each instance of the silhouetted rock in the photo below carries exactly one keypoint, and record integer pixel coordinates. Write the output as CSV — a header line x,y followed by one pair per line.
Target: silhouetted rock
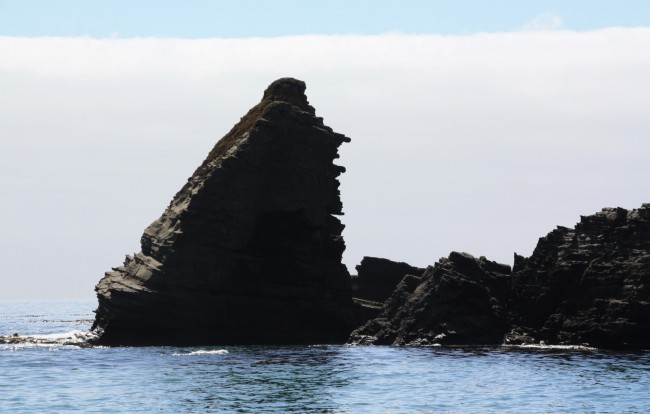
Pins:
x,y
377,278
249,250
590,284
584,286
459,300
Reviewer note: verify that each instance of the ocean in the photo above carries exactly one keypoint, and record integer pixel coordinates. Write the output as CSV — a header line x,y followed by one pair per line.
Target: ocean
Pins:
x,y
59,378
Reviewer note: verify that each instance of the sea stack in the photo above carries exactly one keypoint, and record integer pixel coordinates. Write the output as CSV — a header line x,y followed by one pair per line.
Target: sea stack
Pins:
x,y
249,250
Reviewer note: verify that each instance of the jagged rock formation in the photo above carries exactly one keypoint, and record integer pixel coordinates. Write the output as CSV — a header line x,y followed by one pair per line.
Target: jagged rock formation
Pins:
x,y
587,285
249,250
590,284
460,300
377,278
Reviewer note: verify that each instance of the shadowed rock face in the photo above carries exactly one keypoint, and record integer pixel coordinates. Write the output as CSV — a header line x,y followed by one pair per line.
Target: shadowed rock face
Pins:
x,y
458,301
249,250
590,284
587,285
377,278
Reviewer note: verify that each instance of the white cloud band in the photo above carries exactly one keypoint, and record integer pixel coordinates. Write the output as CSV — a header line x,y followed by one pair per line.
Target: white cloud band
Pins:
x,y
479,143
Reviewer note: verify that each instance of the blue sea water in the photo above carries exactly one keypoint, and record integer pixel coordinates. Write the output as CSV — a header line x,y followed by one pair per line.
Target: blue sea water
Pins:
x,y
58,378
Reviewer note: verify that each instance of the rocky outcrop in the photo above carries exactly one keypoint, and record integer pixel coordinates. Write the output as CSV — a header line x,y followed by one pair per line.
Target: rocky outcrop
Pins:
x,y
588,285
460,300
249,250
377,278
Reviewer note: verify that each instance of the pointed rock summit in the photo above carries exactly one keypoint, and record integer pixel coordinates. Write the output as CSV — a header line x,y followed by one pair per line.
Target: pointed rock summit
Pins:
x,y
249,250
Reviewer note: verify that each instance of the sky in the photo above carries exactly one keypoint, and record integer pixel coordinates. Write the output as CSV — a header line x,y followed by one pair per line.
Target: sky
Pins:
x,y
263,18
476,126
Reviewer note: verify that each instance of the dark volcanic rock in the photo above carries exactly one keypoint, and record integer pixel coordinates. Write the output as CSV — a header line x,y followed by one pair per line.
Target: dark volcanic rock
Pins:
x,y
377,278
590,284
459,300
587,285
249,250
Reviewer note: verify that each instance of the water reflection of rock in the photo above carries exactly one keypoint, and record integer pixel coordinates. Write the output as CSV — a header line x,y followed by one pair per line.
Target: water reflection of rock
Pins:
x,y
292,379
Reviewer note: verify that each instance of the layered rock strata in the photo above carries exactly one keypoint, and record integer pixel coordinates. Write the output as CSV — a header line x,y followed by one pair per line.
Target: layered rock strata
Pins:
x,y
249,250
589,285
458,301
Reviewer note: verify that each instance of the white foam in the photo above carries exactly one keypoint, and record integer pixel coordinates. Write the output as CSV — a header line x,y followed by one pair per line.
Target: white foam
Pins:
x,y
204,352
55,337
554,347
74,338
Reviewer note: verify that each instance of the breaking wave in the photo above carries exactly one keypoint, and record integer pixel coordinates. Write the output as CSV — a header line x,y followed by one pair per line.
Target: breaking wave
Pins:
x,y
77,338
203,352
553,347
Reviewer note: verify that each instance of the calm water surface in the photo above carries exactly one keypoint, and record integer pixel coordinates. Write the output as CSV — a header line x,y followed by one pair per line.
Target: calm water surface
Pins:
x,y
318,379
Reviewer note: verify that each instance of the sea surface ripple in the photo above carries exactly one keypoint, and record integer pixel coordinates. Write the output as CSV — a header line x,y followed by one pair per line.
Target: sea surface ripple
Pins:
x,y
58,378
